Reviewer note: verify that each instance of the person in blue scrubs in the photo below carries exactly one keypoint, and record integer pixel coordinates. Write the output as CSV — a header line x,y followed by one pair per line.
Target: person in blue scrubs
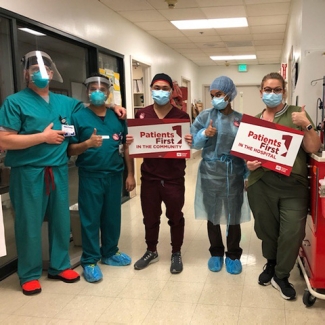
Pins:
x,y
32,131
100,145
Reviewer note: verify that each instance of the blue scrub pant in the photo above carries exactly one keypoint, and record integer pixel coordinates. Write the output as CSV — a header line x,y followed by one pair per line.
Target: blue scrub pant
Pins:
x,y
31,205
99,209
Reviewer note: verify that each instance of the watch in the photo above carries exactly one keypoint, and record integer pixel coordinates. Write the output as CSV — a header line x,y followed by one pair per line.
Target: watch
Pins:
x,y
308,127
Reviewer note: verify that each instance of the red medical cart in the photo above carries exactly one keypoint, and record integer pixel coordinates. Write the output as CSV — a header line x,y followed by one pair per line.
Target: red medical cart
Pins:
x,y
311,259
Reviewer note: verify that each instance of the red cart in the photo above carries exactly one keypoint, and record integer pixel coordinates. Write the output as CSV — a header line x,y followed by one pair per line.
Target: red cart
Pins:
x,y
311,259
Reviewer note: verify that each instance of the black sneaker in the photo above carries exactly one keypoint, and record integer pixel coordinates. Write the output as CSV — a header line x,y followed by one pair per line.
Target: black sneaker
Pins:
x,y
176,263
148,258
285,287
266,276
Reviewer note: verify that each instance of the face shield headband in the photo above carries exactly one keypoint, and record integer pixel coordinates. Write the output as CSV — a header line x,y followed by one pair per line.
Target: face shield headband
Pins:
x,y
43,60
98,80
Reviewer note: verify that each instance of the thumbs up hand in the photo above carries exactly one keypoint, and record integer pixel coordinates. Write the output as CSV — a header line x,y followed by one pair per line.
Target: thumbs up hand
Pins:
x,y
300,118
210,131
95,140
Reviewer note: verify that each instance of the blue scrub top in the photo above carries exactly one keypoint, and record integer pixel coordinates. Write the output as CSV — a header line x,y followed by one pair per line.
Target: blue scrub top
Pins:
x,y
106,158
28,113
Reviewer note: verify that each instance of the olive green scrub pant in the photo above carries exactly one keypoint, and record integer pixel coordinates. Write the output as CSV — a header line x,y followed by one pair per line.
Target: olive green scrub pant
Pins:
x,y
31,202
279,204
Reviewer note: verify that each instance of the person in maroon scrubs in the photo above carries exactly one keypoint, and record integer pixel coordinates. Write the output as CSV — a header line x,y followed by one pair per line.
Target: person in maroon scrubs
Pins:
x,y
162,180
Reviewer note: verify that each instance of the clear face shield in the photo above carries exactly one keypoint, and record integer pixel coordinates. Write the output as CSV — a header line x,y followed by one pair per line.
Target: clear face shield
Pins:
x,y
41,68
97,90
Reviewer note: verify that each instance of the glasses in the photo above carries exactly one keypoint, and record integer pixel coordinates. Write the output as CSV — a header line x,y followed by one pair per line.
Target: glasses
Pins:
x,y
269,90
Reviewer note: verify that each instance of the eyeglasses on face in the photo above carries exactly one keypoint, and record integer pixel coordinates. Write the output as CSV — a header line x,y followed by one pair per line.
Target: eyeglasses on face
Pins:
x,y
276,90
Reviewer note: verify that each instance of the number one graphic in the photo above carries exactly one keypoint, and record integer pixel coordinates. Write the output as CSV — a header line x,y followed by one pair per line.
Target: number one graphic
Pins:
x,y
178,130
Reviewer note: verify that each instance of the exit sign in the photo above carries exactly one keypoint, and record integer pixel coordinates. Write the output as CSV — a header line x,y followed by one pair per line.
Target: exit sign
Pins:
x,y
242,67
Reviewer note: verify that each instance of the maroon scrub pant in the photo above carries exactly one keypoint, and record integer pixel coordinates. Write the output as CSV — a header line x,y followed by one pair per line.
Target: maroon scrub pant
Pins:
x,y
153,193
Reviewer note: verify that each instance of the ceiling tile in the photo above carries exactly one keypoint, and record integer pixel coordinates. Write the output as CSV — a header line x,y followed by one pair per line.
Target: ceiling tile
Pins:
x,y
160,25
173,40
166,33
251,2
267,20
268,9
126,5
214,3
143,15
183,14
232,38
161,4
267,23
183,46
268,47
203,39
268,29
271,36
195,32
233,31
224,12
268,42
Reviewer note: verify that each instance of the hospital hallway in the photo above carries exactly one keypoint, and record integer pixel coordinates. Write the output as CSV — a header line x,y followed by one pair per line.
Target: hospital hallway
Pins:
x,y
154,295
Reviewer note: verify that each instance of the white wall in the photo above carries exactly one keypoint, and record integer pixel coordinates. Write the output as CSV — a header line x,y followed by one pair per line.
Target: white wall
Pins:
x,y
305,35
90,20
253,76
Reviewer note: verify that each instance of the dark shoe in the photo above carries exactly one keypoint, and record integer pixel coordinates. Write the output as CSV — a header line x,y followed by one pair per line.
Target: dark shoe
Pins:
x,y
176,263
148,258
285,287
266,276
31,287
67,276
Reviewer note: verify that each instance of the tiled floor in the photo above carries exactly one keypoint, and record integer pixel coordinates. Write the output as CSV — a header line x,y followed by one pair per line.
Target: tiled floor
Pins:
x,y
153,295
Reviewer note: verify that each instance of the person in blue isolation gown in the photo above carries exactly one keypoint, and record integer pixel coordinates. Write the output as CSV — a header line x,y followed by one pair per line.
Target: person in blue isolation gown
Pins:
x,y
220,196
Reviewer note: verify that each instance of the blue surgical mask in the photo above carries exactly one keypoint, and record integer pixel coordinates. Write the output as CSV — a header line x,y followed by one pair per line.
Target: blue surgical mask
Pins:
x,y
271,99
97,98
38,81
161,97
219,103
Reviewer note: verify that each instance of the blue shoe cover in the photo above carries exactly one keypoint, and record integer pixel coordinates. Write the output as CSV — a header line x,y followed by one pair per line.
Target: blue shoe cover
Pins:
x,y
92,273
233,266
215,263
119,259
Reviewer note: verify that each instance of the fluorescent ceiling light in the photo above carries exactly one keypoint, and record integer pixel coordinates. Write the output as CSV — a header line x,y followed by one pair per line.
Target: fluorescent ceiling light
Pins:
x,y
233,57
34,32
210,23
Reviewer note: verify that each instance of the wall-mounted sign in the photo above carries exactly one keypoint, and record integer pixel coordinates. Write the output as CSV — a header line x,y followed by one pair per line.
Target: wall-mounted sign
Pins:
x,y
242,67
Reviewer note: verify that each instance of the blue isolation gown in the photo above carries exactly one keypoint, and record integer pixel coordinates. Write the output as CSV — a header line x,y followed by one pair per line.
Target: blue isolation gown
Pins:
x,y
220,196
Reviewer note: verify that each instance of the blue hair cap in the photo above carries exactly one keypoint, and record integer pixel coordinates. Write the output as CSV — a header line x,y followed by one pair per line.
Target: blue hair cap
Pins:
x,y
225,85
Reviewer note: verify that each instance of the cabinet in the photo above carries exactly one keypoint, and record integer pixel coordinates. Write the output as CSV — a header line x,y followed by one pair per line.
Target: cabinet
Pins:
x,y
138,96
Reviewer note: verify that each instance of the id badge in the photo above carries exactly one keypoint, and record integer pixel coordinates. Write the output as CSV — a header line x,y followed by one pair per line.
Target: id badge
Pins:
x,y
68,130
